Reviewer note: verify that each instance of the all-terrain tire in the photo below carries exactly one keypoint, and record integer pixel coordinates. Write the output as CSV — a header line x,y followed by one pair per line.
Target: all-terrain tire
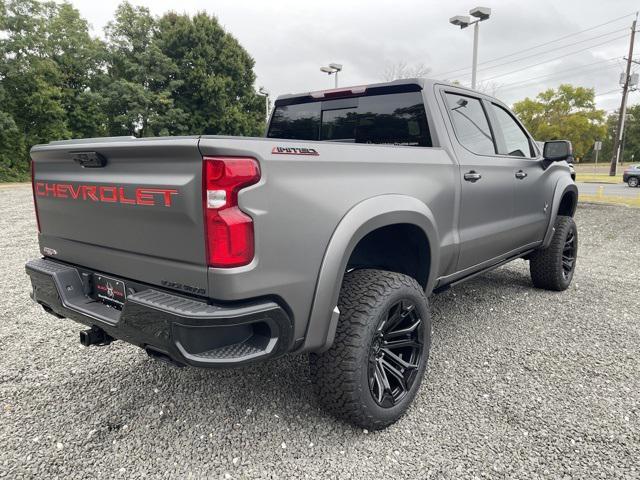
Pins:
x,y
341,375
546,265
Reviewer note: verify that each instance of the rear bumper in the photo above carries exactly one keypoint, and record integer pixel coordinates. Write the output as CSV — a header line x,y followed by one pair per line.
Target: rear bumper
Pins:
x,y
181,329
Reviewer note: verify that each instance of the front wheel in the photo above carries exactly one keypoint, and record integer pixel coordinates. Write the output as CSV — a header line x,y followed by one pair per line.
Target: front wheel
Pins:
x,y
374,368
552,268
633,182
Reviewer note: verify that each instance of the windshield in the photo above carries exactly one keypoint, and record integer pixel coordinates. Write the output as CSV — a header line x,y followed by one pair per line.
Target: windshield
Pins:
x,y
393,119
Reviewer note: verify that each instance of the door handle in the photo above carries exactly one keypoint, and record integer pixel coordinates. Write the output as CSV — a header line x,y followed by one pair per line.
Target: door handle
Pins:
x,y
520,174
472,176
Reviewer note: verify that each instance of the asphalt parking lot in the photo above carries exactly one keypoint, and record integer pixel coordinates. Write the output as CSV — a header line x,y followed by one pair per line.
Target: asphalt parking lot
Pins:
x,y
522,383
616,189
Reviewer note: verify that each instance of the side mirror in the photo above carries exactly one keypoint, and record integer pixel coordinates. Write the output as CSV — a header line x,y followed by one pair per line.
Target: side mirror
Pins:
x,y
558,150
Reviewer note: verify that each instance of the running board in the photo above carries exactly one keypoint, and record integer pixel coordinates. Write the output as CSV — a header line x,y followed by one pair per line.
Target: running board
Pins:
x,y
446,286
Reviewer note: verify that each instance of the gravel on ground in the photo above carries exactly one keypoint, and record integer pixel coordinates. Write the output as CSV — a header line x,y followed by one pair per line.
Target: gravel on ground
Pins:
x,y
522,383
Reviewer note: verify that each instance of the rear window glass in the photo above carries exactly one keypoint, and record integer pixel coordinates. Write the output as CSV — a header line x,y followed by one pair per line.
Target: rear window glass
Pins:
x,y
296,122
394,119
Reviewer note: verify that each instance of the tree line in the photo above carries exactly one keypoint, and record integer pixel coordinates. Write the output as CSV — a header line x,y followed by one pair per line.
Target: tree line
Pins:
x,y
184,75
570,113
169,75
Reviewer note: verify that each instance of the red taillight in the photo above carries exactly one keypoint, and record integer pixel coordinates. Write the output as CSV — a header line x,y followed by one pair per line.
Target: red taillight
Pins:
x,y
228,230
33,189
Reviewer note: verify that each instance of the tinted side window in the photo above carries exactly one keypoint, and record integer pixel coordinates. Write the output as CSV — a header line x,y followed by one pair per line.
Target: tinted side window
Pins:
x,y
516,140
471,124
296,122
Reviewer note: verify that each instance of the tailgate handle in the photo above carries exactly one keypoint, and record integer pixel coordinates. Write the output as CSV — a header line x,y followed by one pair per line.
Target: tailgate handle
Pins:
x,y
89,159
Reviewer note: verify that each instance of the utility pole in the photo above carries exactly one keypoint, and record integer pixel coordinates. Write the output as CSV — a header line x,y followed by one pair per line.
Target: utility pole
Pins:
x,y
623,104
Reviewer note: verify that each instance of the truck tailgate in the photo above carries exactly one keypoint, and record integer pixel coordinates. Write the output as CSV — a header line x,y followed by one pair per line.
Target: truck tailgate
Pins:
x,y
138,216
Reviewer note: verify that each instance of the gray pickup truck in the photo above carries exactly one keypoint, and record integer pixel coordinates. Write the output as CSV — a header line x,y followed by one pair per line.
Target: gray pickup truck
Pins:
x,y
325,237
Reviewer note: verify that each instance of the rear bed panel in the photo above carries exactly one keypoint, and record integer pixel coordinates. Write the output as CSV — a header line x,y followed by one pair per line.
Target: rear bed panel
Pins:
x,y
139,217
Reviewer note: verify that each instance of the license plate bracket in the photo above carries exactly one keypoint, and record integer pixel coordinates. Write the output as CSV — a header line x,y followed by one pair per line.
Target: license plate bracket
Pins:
x,y
110,291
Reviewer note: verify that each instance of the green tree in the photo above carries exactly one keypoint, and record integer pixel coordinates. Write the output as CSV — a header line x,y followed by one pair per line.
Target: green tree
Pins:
x,y
81,61
631,141
142,79
214,77
168,76
48,63
12,149
566,113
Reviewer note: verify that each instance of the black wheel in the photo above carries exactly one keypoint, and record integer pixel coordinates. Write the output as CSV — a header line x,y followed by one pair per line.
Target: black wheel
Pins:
x,y
552,268
373,371
633,182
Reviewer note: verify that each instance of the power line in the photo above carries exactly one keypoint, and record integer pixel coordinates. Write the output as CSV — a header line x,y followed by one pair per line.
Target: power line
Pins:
x,y
549,51
553,59
541,44
580,67
606,93
560,74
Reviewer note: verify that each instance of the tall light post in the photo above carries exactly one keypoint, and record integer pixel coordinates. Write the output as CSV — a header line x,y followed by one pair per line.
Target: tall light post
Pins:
x,y
332,69
265,93
463,21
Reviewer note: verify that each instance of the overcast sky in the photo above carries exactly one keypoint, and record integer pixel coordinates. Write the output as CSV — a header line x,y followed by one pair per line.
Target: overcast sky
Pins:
x,y
291,39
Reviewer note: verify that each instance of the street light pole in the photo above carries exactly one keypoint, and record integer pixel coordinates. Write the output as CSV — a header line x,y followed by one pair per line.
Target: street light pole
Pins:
x,y
463,21
474,69
265,93
332,69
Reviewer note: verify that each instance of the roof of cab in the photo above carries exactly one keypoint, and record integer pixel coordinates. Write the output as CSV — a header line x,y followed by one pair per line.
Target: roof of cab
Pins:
x,y
422,82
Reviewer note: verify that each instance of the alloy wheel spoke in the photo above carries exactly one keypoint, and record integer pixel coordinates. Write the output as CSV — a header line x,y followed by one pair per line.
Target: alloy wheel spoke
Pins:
x,y
401,343
383,375
392,357
378,377
397,374
568,254
404,331
395,319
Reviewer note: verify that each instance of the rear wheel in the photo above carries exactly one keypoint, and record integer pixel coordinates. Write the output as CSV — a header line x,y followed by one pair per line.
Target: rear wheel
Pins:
x,y
633,181
373,371
552,268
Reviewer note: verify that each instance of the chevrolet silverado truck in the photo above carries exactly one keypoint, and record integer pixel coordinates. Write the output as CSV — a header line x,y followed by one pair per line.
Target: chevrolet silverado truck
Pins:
x,y
326,237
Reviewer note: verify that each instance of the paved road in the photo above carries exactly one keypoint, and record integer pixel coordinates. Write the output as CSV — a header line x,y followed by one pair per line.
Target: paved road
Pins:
x,y
615,189
522,383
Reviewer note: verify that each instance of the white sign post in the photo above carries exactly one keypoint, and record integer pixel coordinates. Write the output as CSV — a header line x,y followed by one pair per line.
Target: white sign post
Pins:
x,y
597,147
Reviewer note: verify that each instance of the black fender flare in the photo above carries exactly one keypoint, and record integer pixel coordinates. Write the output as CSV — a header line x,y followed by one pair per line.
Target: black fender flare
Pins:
x,y
363,218
563,186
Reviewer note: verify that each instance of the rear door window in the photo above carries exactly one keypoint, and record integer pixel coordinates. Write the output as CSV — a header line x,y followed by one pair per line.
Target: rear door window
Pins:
x,y
470,123
393,119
